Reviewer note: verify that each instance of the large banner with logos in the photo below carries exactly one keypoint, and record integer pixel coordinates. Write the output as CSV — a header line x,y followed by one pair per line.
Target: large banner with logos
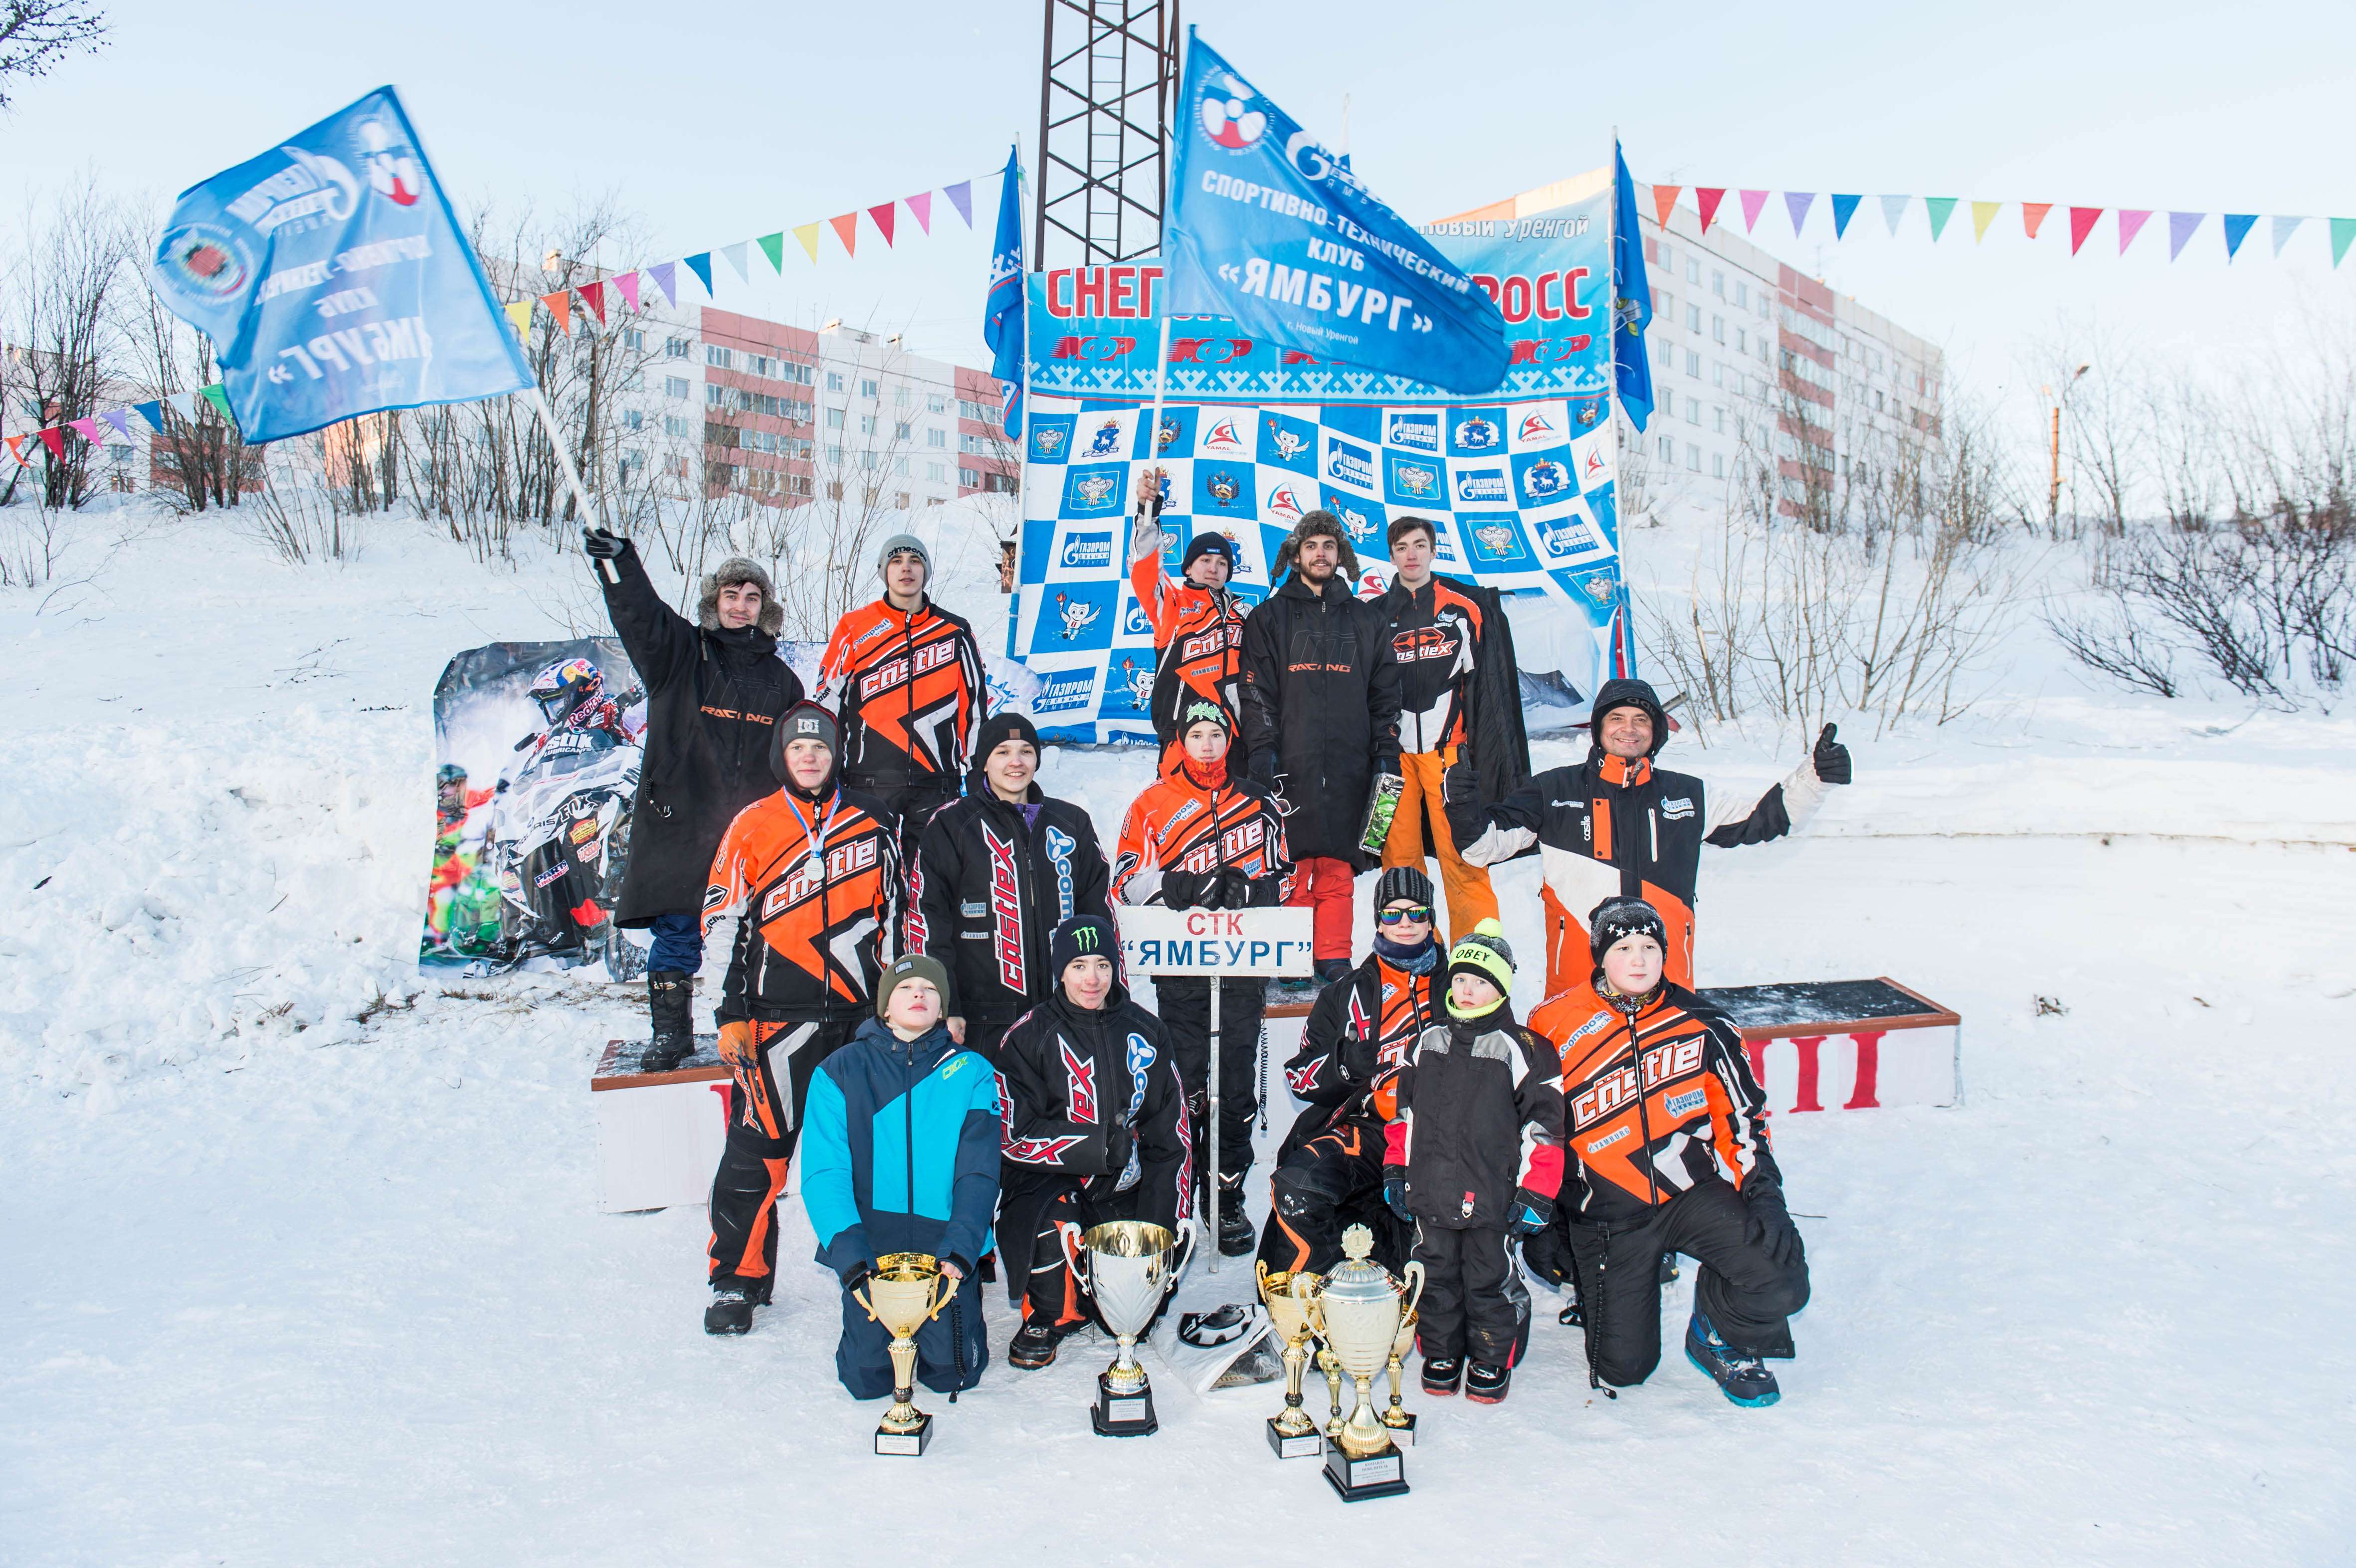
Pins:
x,y
1519,484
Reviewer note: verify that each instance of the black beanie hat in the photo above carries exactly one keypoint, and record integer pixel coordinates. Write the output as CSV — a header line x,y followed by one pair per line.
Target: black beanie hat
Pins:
x,y
1623,917
1402,882
1208,543
1082,935
803,721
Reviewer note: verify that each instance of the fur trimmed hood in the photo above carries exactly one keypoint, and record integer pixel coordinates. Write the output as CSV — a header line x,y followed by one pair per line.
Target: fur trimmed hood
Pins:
x,y
734,570
1320,521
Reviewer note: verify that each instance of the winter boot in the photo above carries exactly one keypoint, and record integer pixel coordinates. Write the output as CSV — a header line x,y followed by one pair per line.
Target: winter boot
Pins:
x,y
1441,1374
1034,1347
1236,1235
1485,1384
732,1301
670,998
1743,1379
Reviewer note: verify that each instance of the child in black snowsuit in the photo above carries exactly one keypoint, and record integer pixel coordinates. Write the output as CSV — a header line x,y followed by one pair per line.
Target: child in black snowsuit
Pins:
x,y
1473,1157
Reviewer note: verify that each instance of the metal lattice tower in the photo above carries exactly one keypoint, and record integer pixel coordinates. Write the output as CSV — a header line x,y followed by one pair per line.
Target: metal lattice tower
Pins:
x,y
1109,76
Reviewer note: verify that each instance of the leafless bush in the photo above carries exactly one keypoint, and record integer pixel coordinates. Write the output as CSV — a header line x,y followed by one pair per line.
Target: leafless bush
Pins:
x,y
297,512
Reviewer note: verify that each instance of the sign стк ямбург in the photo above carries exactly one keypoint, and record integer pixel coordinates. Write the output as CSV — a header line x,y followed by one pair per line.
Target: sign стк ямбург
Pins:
x,y
1217,942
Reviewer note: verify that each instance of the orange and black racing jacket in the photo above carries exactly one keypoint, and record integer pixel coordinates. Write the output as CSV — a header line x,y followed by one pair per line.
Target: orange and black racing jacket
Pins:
x,y
1197,818
1198,639
1358,1032
808,946
908,691
1698,1116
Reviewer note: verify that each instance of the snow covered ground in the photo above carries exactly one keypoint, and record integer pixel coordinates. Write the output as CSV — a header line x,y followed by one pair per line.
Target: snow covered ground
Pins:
x,y
300,1258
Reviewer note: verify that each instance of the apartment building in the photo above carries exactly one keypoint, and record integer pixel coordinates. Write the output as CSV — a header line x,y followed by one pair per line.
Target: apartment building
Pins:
x,y
1764,377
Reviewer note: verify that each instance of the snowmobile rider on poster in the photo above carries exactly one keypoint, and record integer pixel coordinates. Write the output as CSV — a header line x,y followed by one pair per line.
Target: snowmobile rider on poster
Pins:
x,y
1615,825
905,677
714,690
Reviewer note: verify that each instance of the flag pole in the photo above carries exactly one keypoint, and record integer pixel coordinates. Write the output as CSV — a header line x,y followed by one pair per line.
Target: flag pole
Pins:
x,y
564,455
1023,431
1153,424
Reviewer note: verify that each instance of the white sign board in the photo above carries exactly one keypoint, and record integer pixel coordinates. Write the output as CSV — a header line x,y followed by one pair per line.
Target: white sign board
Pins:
x,y
1223,942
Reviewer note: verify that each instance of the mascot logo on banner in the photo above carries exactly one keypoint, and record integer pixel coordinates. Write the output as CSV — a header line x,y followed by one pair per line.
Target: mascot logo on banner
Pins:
x,y
1228,120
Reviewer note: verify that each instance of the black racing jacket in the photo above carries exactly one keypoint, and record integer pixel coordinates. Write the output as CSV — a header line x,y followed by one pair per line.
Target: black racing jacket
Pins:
x,y
1479,1115
1321,695
987,888
1359,1031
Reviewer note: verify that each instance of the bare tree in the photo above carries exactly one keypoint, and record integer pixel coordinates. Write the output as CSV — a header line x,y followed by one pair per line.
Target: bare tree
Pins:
x,y
71,264
35,34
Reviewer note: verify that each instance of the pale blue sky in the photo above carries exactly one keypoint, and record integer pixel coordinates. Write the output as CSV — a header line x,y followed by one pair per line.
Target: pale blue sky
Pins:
x,y
719,121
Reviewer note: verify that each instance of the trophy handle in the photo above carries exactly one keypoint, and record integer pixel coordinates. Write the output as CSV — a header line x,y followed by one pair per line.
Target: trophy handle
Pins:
x,y
948,1289
1070,1237
1259,1266
1182,1253
864,1302
1413,1274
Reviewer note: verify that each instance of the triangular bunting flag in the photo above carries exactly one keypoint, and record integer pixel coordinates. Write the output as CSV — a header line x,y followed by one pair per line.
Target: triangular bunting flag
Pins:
x,y
2342,230
884,214
1940,208
1982,214
519,316
700,264
774,247
152,413
217,395
1844,209
1665,201
666,276
1706,198
2131,222
2284,229
2179,229
921,205
1893,208
1796,203
17,450
183,403
2237,229
735,257
2032,214
846,228
2082,223
592,295
560,305
628,284
120,419
1754,201
55,440
86,429
806,236
960,196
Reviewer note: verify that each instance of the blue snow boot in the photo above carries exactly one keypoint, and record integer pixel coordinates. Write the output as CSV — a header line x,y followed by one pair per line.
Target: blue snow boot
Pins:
x,y
1743,1379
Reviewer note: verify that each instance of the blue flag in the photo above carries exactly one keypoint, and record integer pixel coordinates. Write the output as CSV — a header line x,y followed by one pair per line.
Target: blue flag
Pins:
x,y
333,279
1632,299
1002,321
1270,230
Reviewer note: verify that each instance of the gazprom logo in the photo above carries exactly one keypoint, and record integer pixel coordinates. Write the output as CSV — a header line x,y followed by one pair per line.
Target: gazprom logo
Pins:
x,y
1349,465
1064,689
1134,620
1087,550
1482,486
1416,431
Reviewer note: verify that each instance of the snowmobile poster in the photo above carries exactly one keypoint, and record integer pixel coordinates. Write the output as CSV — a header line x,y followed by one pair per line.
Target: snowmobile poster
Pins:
x,y
539,747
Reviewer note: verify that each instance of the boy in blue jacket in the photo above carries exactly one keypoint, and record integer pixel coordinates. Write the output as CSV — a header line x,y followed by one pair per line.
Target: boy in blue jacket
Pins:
x,y
900,1152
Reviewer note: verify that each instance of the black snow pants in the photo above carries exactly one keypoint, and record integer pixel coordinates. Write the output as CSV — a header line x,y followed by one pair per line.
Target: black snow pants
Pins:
x,y
1184,1005
862,1357
1321,1188
1753,1276
771,1066
908,807
1473,1298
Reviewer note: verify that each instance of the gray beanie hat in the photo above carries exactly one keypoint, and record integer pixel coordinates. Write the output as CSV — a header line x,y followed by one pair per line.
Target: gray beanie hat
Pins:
x,y
898,541
734,570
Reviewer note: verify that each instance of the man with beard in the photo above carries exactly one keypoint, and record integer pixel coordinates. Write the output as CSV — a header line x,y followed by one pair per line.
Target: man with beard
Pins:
x,y
714,690
1321,699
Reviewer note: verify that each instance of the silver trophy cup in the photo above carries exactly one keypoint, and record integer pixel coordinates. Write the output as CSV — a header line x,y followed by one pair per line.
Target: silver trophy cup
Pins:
x,y
1129,1268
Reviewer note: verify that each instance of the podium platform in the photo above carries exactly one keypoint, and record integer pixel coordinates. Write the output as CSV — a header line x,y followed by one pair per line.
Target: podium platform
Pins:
x,y
658,1133
1846,1045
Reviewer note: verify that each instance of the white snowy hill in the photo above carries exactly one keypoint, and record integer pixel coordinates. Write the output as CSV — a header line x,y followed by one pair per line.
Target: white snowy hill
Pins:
x,y
300,1259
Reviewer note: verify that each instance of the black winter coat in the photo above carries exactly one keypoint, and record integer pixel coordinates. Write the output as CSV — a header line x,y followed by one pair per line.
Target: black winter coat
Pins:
x,y
987,888
713,700
1479,1115
1320,696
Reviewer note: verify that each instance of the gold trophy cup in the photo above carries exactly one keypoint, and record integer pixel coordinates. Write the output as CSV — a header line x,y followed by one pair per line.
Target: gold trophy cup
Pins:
x,y
1291,1299
1359,1312
906,1291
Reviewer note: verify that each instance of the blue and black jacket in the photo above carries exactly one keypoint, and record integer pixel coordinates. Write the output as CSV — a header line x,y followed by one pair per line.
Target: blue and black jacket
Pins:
x,y
900,1150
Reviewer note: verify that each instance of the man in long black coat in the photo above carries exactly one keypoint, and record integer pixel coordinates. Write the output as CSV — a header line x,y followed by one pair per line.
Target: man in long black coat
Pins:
x,y
715,691
1321,701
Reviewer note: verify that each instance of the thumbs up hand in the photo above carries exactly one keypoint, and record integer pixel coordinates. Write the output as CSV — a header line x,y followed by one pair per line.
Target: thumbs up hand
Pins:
x,y
1831,758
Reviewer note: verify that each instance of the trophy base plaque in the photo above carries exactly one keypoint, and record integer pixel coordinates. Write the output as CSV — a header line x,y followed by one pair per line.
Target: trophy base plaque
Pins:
x,y
910,1443
1380,1475
1402,1436
1122,1415
1306,1445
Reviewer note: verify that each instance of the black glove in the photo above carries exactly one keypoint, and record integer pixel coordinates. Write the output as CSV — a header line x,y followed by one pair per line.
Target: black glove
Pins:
x,y
603,544
1545,1255
1262,769
1831,758
857,1274
1184,889
1118,1144
1234,891
1765,1199
1530,1212
1395,1191
1387,766
1459,785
